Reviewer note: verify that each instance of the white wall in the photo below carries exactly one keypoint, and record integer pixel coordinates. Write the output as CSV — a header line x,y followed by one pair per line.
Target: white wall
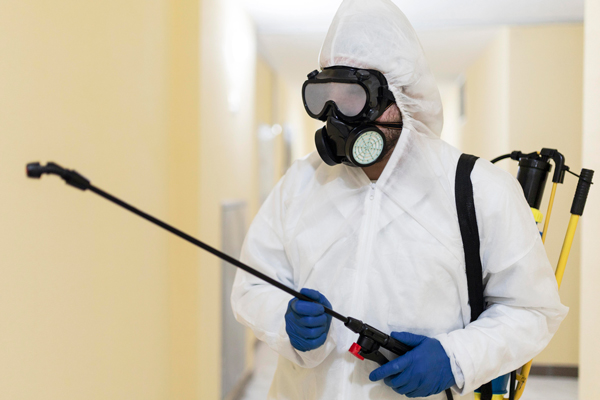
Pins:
x,y
451,100
589,384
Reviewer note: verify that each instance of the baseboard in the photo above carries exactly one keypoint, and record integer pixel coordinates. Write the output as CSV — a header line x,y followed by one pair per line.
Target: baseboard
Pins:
x,y
554,370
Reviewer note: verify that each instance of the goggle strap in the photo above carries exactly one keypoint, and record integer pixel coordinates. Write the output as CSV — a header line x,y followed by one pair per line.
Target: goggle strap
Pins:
x,y
391,125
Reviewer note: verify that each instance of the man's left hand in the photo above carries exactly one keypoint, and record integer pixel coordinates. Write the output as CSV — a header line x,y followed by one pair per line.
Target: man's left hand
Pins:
x,y
423,371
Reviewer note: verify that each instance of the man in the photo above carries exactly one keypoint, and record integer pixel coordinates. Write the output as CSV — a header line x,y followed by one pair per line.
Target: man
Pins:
x,y
369,224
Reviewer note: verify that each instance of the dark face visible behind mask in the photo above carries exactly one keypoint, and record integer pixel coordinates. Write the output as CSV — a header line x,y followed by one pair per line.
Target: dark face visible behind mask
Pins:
x,y
392,135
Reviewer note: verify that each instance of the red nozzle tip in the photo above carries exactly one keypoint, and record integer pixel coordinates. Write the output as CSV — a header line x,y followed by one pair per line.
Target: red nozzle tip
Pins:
x,y
355,349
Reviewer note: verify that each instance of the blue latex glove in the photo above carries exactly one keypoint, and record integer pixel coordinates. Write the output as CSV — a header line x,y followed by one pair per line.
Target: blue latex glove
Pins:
x,y
306,323
422,372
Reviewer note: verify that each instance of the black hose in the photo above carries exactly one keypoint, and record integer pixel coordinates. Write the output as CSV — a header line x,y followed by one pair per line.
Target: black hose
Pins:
x,y
449,395
512,385
495,160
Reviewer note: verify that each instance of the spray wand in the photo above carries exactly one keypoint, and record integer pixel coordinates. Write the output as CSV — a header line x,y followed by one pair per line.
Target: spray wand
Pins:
x,y
369,339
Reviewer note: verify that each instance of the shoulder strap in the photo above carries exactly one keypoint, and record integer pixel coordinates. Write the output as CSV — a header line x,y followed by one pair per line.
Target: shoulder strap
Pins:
x,y
469,231
467,219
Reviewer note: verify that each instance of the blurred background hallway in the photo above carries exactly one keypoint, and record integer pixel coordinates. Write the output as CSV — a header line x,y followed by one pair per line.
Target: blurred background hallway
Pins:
x,y
191,110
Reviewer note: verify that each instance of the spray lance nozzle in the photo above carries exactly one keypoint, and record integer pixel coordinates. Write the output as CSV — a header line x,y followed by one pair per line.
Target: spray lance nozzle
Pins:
x,y
71,177
34,170
370,339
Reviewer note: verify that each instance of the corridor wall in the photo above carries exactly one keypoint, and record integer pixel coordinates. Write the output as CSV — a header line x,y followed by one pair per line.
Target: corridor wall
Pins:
x,y
524,93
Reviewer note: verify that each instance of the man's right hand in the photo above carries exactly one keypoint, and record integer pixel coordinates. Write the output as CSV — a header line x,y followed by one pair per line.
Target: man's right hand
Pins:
x,y
306,323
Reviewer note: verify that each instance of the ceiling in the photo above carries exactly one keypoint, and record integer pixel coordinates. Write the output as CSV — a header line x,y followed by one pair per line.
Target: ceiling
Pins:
x,y
294,16
453,32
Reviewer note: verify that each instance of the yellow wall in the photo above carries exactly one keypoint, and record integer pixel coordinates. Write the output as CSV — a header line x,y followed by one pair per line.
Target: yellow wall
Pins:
x,y
226,159
184,202
524,93
84,285
265,77
589,384
95,302
545,108
280,102
485,129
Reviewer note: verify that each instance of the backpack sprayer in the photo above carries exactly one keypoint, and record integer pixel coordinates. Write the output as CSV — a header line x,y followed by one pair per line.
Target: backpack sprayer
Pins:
x,y
370,340
532,175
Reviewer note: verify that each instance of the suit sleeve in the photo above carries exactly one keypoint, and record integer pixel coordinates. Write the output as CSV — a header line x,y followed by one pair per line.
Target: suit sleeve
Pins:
x,y
260,306
523,308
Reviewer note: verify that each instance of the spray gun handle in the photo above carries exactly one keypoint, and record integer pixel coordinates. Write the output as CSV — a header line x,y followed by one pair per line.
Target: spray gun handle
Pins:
x,y
371,339
397,347
366,347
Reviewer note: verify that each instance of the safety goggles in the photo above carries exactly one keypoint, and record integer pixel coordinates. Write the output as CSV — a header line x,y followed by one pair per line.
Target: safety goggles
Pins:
x,y
355,94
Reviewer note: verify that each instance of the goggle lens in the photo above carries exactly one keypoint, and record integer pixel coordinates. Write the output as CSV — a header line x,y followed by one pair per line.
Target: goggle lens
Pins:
x,y
350,98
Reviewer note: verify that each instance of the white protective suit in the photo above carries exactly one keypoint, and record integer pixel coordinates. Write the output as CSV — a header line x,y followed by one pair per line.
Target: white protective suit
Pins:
x,y
390,253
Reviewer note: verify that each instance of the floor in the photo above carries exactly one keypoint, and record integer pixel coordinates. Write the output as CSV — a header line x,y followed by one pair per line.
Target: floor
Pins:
x,y
538,387
550,388
265,361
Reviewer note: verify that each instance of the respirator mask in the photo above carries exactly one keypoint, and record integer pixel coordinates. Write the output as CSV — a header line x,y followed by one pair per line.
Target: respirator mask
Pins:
x,y
349,100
